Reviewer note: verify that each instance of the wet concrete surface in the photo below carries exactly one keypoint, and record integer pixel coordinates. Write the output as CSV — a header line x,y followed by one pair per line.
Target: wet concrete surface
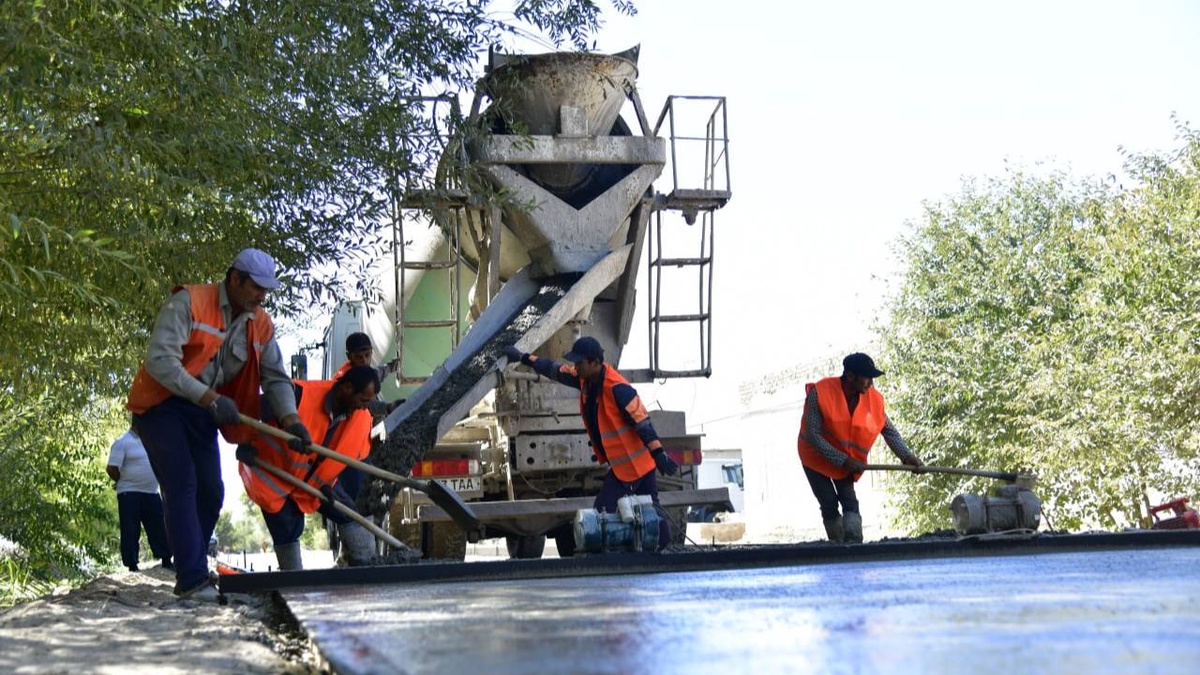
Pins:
x,y
1132,611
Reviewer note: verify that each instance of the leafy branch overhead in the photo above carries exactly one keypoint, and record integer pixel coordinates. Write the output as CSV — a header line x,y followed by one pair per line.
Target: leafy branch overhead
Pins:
x,y
143,144
1051,324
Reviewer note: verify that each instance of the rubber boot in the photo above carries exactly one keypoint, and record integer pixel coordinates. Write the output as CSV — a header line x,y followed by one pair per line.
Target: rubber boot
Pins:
x,y
833,529
288,556
853,525
358,544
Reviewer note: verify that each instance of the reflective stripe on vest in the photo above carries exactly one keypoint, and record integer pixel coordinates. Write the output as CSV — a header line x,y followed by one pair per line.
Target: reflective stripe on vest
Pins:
x,y
853,435
351,438
204,343
627,455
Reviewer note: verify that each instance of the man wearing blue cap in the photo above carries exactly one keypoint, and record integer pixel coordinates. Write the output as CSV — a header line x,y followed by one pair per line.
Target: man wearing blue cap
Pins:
x,y
616,421
212,349
842,418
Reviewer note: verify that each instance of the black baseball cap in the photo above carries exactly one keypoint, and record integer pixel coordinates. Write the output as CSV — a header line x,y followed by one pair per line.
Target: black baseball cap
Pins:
x,y
585,348
860,364
357,341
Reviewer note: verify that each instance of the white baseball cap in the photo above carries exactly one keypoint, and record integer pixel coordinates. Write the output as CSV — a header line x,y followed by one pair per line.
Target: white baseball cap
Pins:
x,y
259,265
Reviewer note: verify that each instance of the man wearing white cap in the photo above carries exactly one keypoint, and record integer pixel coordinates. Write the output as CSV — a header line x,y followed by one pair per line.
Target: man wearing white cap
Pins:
x,y
212,349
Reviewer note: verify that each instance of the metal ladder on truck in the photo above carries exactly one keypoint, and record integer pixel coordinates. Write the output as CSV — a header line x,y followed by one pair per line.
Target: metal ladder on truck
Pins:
x,y
694,203
453,206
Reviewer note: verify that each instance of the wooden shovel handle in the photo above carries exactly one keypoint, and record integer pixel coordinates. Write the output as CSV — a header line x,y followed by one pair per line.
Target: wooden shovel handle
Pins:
x,y
331,454
999,475
354,515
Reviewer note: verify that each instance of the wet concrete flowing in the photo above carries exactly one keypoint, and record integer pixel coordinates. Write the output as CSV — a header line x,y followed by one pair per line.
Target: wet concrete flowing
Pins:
x,y
1108,611
408,443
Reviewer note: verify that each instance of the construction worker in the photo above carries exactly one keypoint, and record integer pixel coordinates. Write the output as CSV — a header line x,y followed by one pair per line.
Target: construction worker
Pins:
x,y
212,349
616,421
138,504
360,352
336,412
842,418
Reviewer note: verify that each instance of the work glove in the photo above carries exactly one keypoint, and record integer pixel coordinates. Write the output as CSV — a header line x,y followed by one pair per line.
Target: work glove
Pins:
x,y
854,465
333,494
302,438
515,355
327,493
914,461
245,453
224,411
666,465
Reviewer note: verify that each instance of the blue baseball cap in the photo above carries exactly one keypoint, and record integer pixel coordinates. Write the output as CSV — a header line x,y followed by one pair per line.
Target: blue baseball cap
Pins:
x,y
585,348
259,265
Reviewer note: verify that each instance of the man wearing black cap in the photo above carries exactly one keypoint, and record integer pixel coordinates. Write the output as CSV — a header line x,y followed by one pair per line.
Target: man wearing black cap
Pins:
x,y
842,418
212,349
360,352
616,421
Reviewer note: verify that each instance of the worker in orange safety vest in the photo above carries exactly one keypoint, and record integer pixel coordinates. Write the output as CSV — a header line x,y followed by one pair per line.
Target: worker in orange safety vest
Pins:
x,y
842,418
616,422
335,411
211,351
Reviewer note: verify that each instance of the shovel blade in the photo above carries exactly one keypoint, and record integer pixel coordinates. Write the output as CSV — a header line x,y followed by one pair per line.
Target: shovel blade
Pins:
x,y
453,505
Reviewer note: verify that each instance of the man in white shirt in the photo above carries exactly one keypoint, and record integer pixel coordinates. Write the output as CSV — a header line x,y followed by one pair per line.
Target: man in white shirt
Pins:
x,y
138,503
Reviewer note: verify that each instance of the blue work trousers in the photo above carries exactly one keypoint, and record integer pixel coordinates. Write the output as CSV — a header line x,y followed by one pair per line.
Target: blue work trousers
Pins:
x,y
614,488
830,492
287,524
138,510
181,442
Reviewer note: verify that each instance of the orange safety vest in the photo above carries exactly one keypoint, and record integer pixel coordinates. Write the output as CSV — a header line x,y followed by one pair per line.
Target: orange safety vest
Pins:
x,y
852,435
208,333
342,371
351,438
626,453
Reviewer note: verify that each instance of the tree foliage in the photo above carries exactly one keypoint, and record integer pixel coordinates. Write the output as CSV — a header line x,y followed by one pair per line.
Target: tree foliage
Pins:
x,y
1049,325
143,143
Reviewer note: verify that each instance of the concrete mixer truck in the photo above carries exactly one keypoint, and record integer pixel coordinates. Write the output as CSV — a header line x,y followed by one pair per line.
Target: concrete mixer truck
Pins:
x,y
533,232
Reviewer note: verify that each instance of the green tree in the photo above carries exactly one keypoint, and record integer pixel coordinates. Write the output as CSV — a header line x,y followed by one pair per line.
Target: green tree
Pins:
x,y
142,143
1048,324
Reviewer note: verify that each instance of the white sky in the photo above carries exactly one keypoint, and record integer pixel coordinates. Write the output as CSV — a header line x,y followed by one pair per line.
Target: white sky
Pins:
x,y
845,116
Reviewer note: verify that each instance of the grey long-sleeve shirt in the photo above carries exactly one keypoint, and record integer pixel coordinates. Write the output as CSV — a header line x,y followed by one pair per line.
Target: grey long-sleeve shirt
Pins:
x,y
173,328
813,425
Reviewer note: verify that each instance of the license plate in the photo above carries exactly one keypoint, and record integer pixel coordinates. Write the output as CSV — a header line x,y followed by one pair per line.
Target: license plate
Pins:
x,y
464,484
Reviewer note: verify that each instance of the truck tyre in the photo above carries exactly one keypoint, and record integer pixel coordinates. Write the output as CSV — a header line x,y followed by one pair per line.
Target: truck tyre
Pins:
x,y
525,547
565,543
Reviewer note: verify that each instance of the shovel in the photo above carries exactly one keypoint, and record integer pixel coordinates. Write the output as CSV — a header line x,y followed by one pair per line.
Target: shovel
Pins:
x,y
1021,479
354,515
444,497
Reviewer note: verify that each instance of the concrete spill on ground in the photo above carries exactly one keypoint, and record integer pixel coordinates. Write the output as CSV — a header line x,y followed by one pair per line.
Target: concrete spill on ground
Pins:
x,y
414,437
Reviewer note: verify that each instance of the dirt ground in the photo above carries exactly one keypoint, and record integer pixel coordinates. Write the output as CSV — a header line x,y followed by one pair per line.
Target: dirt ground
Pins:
x,y
130,622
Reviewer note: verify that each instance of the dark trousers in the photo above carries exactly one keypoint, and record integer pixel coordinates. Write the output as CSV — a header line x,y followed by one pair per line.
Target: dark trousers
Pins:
x,y
287,524
830,493
181,442
139,510
614,488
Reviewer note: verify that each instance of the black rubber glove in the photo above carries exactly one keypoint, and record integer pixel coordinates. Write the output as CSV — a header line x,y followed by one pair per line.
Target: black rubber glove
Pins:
x,y
916,463
302,438
224,411
666,465
854,466
515,355
245,453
